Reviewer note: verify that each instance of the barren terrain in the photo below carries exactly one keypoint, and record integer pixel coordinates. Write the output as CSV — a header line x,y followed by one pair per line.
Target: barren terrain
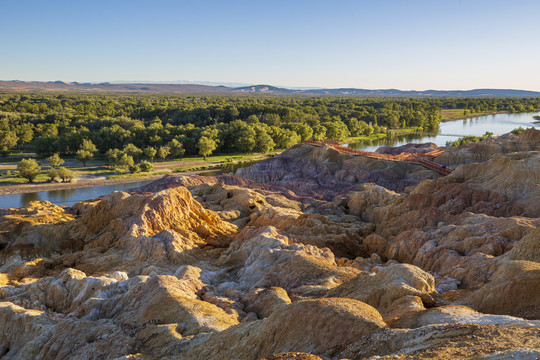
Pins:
x,y
310,255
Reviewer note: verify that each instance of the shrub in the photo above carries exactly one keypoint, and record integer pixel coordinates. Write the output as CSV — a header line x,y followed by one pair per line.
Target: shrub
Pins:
x,y
518,130
145,166
52,174
55,161
65,174
134,169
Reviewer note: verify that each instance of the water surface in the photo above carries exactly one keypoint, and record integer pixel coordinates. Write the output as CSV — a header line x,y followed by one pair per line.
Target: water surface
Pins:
x,y
65,197
73,196
498,124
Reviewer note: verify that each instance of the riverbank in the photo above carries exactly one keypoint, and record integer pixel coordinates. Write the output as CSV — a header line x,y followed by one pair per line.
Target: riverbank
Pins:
x,y
82,183
39,187
457,114
96,174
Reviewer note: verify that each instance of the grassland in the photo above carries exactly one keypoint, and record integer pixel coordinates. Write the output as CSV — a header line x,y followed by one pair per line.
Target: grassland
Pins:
x,y
458,114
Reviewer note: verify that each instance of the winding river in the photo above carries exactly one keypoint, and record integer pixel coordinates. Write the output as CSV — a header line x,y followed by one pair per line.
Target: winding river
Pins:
x,y
497,124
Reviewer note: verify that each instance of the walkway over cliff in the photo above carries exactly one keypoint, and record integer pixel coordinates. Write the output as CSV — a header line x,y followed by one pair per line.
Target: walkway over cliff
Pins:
x,y
415,158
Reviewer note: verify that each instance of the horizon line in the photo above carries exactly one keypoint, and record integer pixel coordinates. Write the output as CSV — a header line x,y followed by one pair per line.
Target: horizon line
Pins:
x,y
218,83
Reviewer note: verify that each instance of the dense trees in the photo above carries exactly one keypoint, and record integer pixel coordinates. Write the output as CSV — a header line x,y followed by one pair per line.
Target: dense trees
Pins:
x,y
8,138
49,124
133,151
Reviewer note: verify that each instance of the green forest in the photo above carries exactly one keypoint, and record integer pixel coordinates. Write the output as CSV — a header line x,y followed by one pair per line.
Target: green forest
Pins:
x,y
171,126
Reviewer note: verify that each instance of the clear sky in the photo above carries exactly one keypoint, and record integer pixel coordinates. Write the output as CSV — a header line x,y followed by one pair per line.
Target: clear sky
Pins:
x,y
404,44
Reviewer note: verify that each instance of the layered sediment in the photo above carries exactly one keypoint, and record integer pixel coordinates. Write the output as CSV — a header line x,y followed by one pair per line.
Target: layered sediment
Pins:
x,y
310,255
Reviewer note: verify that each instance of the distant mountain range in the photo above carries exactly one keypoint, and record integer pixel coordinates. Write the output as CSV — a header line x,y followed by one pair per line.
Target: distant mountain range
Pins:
x,y
60,86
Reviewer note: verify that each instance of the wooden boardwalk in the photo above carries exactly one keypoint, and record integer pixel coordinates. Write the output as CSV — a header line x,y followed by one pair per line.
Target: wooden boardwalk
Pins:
x,y
414,158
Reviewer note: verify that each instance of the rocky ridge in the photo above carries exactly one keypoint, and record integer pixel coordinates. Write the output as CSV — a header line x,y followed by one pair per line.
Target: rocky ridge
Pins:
x,y
310,255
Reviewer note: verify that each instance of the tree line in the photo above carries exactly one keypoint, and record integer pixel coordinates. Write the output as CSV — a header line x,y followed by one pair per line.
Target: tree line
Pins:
x,y
170,126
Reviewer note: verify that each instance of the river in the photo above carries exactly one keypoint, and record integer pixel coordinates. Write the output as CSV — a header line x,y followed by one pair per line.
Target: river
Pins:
x,y
498,124
73,196
65,197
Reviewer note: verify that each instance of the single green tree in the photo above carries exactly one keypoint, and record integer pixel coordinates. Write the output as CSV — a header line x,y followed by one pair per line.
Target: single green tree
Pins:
x,y
286,138
86,151
29,169
133,151
52,174
163,152
126,161
319,132
134,169
55,160
146,166
177,148
150,153
245,139
112,157
336,130
206,146
263,141
305,131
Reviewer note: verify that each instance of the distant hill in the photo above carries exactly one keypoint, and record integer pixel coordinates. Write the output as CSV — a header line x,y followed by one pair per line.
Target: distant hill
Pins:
x,y
60,86
265,89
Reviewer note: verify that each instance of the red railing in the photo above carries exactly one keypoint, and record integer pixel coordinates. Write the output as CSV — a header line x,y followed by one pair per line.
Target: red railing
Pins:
x,y
415,158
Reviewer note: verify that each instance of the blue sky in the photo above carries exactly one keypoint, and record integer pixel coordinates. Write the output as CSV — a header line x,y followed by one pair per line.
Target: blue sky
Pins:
x,y
405,44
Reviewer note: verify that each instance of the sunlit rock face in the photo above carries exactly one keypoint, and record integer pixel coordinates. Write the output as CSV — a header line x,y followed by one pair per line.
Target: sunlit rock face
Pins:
x,y
311,256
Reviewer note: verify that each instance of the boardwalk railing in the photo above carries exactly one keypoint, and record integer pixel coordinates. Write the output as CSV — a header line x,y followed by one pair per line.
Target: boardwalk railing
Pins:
x,y
414,158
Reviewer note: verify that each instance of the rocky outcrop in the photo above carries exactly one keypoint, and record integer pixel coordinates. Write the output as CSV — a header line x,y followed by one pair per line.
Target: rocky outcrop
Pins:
x,y
476,152
513,289
337,323
381,289
322,173
266,258
324,261
446,341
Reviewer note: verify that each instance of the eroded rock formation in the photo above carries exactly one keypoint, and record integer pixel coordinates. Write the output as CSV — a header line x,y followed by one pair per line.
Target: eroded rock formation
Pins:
x,y
312,255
